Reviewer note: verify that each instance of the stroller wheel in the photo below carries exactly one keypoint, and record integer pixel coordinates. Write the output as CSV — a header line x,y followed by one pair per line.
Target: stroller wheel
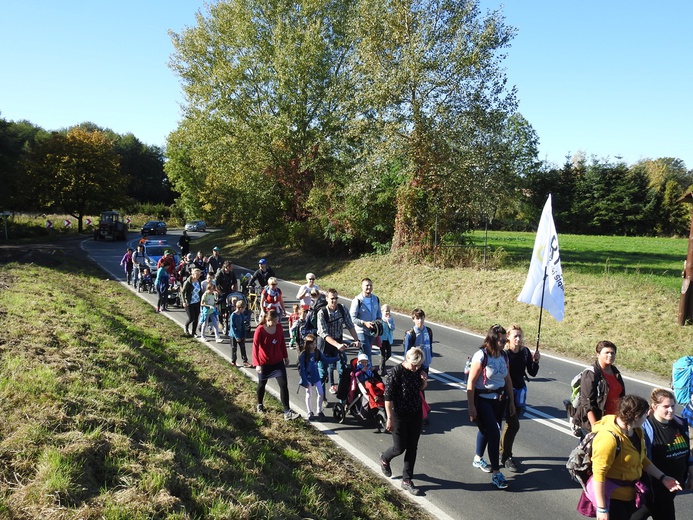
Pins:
x,y
338,412
381,421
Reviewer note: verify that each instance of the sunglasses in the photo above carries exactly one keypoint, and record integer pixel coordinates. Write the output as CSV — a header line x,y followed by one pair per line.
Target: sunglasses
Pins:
x,y
309,279
334,299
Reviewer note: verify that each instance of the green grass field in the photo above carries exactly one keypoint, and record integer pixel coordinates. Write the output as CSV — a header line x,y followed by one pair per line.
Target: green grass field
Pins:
x,y
660,260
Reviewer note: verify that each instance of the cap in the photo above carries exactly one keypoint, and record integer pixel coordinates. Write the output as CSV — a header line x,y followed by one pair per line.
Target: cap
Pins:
x,y
189,256
362,357
167,252
262,261
216,248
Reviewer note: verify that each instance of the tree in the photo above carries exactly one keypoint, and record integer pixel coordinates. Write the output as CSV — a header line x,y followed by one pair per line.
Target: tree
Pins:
x,y
78,173
143,167
263,83
430,83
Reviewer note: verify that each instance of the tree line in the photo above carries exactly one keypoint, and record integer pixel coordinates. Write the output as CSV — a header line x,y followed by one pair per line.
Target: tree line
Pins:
x,y
81,170
371,125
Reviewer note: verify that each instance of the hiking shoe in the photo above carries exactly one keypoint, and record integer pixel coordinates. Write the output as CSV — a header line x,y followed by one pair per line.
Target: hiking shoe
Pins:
x,y
290,415
499,481
260,408
511,465
408,485
482,465
385,467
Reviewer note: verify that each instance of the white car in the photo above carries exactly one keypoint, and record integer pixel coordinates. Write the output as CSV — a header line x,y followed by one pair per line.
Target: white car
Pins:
x,y
196,225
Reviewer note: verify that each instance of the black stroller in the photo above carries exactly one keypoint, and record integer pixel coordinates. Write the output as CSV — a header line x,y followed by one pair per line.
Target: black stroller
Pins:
x,y
357,397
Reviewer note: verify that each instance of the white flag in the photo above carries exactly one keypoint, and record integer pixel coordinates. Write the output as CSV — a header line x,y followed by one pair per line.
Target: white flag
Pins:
x,y
545,257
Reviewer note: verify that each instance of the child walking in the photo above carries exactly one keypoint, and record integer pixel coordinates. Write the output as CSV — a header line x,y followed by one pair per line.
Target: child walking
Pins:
x,y
310,378
386,337
209,312
293,320
238,334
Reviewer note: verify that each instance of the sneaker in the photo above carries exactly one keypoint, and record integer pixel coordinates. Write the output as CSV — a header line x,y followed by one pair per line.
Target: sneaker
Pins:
x,y
387,470
333,389
482,465
219,340
290,415
511,464
247,365
203,338
499,481
311,416
260,408
233,364
321,416
408,485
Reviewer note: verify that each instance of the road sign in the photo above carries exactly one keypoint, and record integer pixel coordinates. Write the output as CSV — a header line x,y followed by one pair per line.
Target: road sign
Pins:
x,y
88,222
49,224
127,220
68,223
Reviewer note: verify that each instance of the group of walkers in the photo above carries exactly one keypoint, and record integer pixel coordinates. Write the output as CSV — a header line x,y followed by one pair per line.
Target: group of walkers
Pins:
x,y
634,441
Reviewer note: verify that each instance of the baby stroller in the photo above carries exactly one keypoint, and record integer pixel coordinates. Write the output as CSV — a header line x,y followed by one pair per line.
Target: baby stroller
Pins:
x,y
228,307
360,393
145,282
173,296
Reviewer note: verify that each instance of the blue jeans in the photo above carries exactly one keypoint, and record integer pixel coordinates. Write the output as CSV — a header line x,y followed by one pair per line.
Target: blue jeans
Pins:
x,y
366,341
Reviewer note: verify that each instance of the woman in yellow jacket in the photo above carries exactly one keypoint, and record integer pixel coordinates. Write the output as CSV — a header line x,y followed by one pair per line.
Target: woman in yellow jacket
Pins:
x,y
615,471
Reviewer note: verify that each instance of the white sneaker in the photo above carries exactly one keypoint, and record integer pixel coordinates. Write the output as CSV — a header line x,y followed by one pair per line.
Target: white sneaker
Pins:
x,y
219,340
482,465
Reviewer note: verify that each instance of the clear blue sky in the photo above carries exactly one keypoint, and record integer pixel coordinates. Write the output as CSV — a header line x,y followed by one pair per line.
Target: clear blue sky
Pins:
x,y
606,77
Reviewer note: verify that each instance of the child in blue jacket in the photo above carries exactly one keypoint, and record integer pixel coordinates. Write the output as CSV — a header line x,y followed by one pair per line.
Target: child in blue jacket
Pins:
x,y
310,378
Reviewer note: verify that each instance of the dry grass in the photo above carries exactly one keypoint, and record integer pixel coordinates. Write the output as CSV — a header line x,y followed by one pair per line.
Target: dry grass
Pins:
x,y
635,311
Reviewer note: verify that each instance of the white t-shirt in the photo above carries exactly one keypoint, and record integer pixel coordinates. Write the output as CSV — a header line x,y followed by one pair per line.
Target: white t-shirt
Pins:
x,y
496,370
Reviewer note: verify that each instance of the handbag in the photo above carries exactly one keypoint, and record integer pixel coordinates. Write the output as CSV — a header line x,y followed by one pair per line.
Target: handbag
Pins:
x,y
425,407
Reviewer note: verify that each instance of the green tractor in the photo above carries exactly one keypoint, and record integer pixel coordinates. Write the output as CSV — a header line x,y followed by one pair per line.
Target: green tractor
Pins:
x,y
110,226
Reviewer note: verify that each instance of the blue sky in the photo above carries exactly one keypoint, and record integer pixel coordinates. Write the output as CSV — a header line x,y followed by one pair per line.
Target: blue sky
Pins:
x,y
610,78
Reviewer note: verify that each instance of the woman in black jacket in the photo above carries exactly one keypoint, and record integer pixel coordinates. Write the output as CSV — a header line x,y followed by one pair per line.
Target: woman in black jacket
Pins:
x,y
601,386
522,362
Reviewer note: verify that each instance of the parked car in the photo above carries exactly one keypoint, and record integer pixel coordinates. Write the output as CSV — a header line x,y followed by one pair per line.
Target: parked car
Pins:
x,y
154,249
196,225
154,227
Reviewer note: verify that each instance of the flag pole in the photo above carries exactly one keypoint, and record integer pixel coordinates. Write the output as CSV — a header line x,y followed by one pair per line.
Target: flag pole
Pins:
x,y
541,306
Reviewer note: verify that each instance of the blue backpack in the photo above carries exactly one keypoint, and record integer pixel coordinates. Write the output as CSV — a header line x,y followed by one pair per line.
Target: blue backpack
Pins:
x,y
682,380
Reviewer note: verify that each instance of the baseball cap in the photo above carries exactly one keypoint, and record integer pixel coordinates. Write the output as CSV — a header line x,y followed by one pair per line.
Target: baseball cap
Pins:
x,y
216,248
262,261
362,357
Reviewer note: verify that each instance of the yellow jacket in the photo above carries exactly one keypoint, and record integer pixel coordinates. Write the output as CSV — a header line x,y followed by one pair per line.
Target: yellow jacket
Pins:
x,y
629,463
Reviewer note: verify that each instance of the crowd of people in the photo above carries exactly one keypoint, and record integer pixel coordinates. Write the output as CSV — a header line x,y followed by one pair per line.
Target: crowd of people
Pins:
x,y
634,442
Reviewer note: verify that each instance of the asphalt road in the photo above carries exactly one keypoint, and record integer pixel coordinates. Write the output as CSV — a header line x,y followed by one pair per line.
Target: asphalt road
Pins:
x,y
444,473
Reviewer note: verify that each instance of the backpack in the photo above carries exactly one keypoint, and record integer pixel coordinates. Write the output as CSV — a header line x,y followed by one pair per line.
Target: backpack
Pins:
x,y
682,380
571,404
311,324
580,459
484,362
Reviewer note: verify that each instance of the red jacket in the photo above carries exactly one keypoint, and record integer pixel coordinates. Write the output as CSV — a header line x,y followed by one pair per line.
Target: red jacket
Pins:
x,y
269,349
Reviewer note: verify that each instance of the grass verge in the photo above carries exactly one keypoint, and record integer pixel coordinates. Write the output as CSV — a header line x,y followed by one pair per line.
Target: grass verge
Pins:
x,y
108,411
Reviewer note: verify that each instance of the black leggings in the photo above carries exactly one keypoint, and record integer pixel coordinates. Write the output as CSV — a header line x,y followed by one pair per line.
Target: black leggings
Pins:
x,y
193,312
406,431
163,297
385,353
281,381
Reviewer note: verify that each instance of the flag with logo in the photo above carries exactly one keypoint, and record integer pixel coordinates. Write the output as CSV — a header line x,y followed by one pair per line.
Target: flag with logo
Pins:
x,y
544,284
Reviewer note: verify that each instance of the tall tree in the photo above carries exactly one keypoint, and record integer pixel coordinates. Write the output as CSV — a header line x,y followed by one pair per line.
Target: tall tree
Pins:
x,y
263,82
78,173
430,81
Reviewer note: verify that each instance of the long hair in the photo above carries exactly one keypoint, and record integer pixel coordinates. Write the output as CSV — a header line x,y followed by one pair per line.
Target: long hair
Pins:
x,y
491,339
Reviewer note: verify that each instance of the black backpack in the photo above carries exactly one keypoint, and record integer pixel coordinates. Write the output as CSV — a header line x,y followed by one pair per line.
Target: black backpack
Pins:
x,y
311,324
580,459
